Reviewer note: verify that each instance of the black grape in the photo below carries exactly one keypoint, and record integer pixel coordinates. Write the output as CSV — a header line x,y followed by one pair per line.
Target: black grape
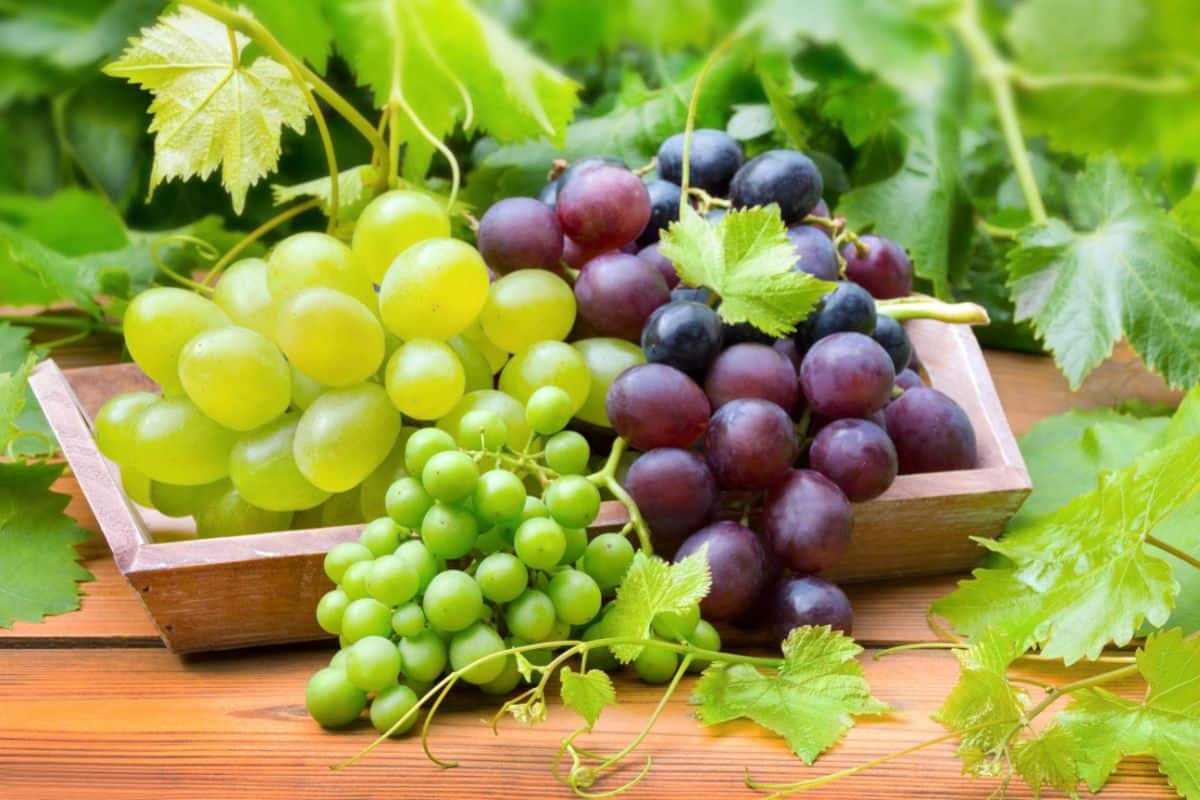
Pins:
x,y
931,432
653,405
714,157
785,177
847,308
847,375
520,233
738,565
651,255
892,338
751,370
807,521
750,444
808,600
676,493
664,209
603,207
884,271
857,455
684,335
617,292
814,252
694,294
907,379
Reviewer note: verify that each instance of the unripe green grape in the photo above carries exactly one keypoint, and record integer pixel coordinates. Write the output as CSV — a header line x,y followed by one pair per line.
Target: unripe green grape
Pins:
x,y
567,453
354,580
312,260
393,222
573,501
476,642
392,580
116,422
496,355
332,700
227,513
380,536
499,403
433,290
330,609
600,657
423,657
407,501
449,532
176,443
341,556
450,476
237,377
305,390
676,625
499,496
331,337
506,681
452,601
408,619
136,485
528,306
243,294
338,661
548,410
482,429
607,559
392,705
425,379
345,435
423,445
157,325
534,508
501,577
492,540
182,501
476,369
373,489
656,664
417,554
540,543
704,636
373,664
547,364
575,595
365,617
262,467
577,542
531,615
605,358
343,508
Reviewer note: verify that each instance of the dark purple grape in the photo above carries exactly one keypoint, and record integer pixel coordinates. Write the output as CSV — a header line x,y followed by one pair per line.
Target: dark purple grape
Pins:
x,y
884,271
664,209
693,294
653,405
750,444
847,308
738,565
785,177
857,455
787,348
847,375
676,493
520,233
892,338
548,194
651,255
576,255
713,158
603,207
808,600
931,432
807,521
814,252
684,335
617,292
907,379
745,333
751,370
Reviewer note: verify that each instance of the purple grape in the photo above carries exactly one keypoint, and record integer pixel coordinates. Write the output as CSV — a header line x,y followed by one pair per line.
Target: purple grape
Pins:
x,y
664,265
683,335
548,194
751,370
931,432
694,294
807,521
520,233
857,455
884,271
750,444
664,209
603,207
808,600
821,209
907,379
713,158
576,255
892,338
617,293
847,375
738,564
814,252
785,177
787,348
653,405
676,493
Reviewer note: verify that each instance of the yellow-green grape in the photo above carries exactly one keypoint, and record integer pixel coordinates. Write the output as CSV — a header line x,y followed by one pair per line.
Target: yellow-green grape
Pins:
x,y
501,404
228,514
243,294
263,468
312,260
345,435
136,485
373,490
433,290
391,223
527,306
547,364
475,366
341,509
159,322
606,358
236,376
425,379
304,389
182,501
330,337
496,355
176,443
115,423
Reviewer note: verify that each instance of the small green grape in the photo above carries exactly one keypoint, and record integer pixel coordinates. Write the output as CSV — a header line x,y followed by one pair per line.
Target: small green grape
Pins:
x,y
656,664
330,609
534,508
366,617
567,453
392,705
381,536
577,542
531,615
575,595
704,636
423,445
548,410
452,601
540,543
482,429
449,532
407,501
476,642
573,501
418,555
450,476
373,664
332,700
354,580
676,625
607,559
501,577
499,497
408,619
392,580
423,657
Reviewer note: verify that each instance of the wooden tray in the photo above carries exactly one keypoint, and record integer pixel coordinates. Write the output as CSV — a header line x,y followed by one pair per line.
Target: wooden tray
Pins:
x,y
215,594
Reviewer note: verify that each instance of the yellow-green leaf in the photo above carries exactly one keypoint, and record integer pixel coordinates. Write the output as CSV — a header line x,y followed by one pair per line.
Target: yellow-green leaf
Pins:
x,y
587,692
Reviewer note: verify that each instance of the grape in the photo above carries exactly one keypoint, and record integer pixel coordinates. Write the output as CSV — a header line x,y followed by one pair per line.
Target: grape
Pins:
x,y
418,555
345,435
407,501
540,543
546,364
116,422
408,619
354,581
576,255
808,600
264,471
653,405
737,561
907,379
567,453
586,163
520,233
705,637
472,644
548,410
365,617
341,556
482,429
577,542
616,294
332,700
745,333
778,176
237,377
892,338
847,375
814,252
305,390
664,209
449,532
787,348
603,206
157,325
330,609
931,432
373,663
392,580
677,625
713,158
750,444
884,270
606,358
548,194
425,379
452,601
684,335
136,485
656,664
807,521
573,501
501,577
751,370
531,616
576,596
848,308
857,455
534,507
433,290
499,496
607,559
695,294
821,209
243,294
528,306
423,657
182,501
423,445
313,260
174,442
450,476
477,371
500,404
330,337
392,705
506,681
676,493
652,256
393,222
373,490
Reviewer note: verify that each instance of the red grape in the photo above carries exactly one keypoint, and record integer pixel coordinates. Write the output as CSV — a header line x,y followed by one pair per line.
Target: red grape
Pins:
x,y
738,565
751,370
653,405
617,293
750,444
603,207
520,233
847,375
807,521
664,265
676,493
857,455
907,379
808,600
931,432
884,271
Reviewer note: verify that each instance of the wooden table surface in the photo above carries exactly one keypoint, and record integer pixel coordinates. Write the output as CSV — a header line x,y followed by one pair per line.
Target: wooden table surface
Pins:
x,y
92,706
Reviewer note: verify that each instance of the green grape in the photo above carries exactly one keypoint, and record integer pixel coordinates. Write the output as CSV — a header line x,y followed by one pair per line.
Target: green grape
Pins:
x,y
263,468
345,435
449,532
408,619
116,422
182,501
339,659
407,501
606,359
482,429
540,543
534,508
227,513
452,601
491,541
305,390
243,294
528,306
313,260
676,625
176,443
704,636
344,508
330,337
600,657
157,325
506,681
373,489
423,657
390,706
417,554
656,664
237,377
472,644
531,616
547,364
476,369
373,664
330,609
548,410
499,496
567,453
577,542
496,355
575,595
423,445
501,577
607,559
433,290
573,501
136,485
365,617
392,580
393,222
354,579
504,406
380,536
450,476
341,556
425,379
332,700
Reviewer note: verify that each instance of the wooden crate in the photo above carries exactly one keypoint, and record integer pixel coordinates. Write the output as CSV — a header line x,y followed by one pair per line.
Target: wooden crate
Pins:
x,y
215,594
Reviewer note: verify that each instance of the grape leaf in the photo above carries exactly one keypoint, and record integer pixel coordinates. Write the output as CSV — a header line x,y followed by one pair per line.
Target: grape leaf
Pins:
x,y
39,572
32,274
585,29
354,184
71,221
299,25
811,701
748,260
20,413
587,692
651,586
209,109
1187,213
1048,760
1127,270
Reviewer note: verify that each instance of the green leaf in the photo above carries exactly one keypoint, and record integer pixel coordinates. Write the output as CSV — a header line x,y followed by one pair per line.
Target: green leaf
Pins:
x,y
32,274
72,221
811,701
748,260
209,109
354,190
299,25
1048,760
1126,271
38,560
20,413
587,693
103,123
1187,213
652,586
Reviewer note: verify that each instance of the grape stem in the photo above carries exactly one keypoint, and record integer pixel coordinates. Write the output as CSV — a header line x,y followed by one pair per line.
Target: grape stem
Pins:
x,y
923,307
1167,547
646,168
607,478
693,104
